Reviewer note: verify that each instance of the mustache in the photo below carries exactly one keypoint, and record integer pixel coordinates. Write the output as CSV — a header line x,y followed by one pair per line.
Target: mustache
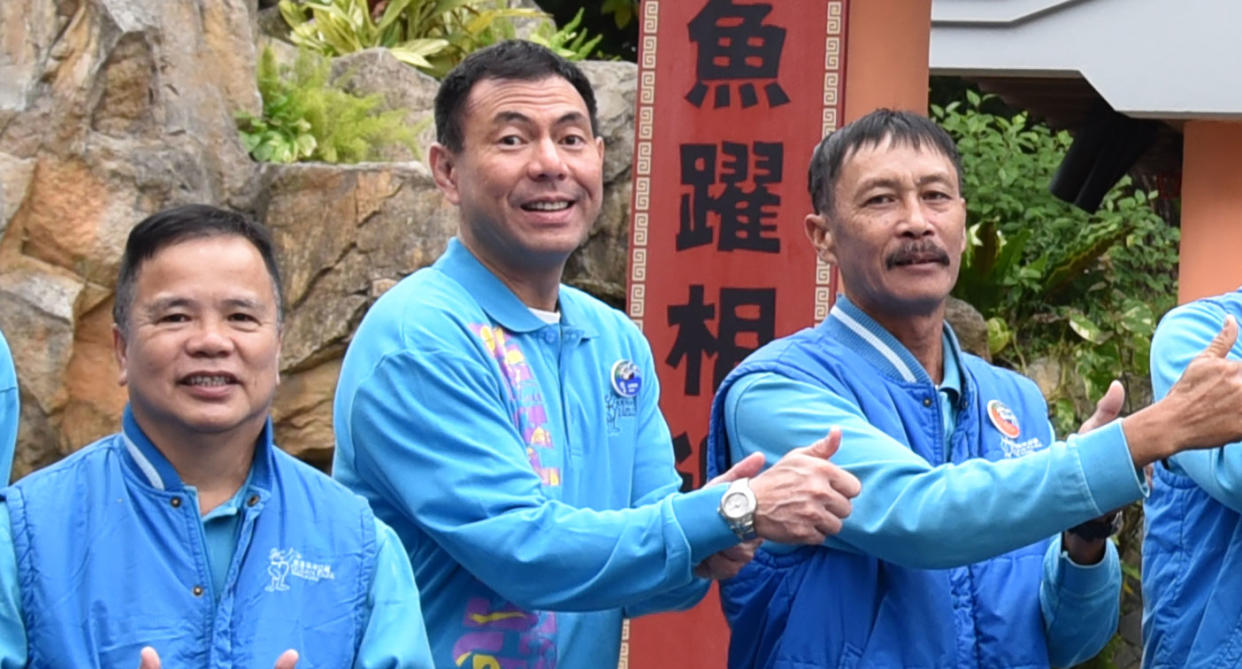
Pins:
x,y
917,251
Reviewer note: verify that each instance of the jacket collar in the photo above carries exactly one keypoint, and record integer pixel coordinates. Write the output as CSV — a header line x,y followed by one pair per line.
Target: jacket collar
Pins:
x,y
500,304
863,335
150,465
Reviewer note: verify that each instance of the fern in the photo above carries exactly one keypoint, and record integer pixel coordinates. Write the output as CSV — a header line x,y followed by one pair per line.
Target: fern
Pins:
x,y
308,116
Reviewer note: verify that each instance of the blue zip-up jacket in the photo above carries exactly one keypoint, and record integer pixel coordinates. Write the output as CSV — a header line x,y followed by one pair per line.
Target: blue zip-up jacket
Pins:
x,y
299,579
1192,549
10,410
942,561
525,466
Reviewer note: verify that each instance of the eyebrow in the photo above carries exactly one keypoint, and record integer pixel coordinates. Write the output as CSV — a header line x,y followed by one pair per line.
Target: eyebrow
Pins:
x,y
888,182
166,303
572,117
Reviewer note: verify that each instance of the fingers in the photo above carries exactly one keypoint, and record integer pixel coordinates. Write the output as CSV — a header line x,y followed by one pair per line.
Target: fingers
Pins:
x,y
827,447
846,483
749,467
148,659
1107,408
287,660
1223,342
728,562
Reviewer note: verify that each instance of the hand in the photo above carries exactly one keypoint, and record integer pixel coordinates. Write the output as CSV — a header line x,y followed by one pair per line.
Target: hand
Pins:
x,y
1202,410
1107,408
149,659
728,562
803,497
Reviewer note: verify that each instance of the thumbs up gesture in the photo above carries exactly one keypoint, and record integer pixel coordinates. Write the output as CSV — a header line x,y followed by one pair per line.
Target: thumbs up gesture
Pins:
x,y
803,497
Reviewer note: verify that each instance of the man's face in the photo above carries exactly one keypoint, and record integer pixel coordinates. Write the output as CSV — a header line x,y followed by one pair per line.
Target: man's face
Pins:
x,y
529,176
201,353
897,228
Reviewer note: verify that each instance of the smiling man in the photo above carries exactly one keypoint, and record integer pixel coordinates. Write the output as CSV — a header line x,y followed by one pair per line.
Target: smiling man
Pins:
x,y
188,535
508,426
956,553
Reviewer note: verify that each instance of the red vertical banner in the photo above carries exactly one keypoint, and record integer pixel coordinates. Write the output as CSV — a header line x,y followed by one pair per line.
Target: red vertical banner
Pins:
x,y
732,97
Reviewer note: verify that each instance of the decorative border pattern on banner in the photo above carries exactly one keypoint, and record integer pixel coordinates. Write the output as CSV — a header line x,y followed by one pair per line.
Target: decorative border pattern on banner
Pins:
x,y
834,94
645,123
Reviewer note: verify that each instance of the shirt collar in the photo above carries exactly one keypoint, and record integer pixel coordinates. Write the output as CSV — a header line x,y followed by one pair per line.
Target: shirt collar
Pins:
x,y
501,305
951,380
851,325
151,466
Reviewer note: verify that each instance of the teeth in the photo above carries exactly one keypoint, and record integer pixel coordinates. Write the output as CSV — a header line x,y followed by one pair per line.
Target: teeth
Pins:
x,y
207,380
548,206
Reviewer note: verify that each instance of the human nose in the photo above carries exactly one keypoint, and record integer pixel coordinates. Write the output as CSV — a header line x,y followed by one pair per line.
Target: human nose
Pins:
x,y
915,220
546,161
209,338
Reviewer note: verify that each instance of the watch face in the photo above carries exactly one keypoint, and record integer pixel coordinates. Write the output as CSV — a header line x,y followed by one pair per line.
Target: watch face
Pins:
x,y
735,505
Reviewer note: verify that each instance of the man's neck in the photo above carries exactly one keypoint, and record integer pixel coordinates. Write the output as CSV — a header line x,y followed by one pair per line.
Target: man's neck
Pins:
x,y
538,287
922,335
216,465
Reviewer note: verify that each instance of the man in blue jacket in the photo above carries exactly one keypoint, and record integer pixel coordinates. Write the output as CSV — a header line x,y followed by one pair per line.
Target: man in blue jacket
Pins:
x,y
508,426
946,560
188,535
10,410
1192,566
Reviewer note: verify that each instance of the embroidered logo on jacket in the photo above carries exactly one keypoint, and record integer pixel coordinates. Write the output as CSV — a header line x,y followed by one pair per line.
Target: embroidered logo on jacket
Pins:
x,y
283,564
1003,419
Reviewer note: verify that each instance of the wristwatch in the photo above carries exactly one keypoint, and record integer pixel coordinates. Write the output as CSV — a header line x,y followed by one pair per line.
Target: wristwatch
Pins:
x,y
737,507
1098,528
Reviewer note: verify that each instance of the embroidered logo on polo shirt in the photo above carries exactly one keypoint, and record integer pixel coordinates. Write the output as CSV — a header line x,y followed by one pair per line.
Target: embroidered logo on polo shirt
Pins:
x,y
1003,419
626,379
283,564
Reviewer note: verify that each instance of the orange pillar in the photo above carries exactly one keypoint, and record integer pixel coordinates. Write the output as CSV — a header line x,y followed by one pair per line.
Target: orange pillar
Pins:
x,y
1211,209
886,56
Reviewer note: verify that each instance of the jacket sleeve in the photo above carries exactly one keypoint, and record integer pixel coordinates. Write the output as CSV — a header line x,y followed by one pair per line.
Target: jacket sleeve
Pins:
x,y
1182,335
1081,604
395,635
12,625
655,478
10,412
914,514
439,444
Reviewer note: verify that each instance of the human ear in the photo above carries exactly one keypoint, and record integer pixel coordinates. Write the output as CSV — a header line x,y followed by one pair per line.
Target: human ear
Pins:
x,y
444,170
816,228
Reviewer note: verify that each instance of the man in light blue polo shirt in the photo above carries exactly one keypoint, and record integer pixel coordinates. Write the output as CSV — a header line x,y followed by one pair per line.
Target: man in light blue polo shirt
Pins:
x,y
508,426
188,538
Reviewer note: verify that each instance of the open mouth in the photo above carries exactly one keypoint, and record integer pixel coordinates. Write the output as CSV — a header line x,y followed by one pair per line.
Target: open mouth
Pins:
x,y
547,205
920,259
209,380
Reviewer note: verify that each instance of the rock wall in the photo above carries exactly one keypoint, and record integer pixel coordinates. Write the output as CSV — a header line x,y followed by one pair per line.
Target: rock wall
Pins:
x,y
111,110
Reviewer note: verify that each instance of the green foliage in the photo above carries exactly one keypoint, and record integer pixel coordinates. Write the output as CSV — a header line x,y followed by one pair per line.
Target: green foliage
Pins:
x,y
306,116
568,41
614,20
431,35
622,11
1056,283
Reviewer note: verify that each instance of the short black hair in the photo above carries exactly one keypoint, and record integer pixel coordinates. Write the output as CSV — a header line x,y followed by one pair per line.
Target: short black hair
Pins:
x,y
900,127
179,224
511,59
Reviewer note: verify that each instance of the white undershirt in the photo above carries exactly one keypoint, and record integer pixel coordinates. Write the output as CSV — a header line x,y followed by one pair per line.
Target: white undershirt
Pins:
x,y
548,317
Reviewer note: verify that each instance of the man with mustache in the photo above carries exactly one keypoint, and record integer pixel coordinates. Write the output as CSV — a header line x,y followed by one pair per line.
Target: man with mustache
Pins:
x,y
508,426
956,553
155,546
